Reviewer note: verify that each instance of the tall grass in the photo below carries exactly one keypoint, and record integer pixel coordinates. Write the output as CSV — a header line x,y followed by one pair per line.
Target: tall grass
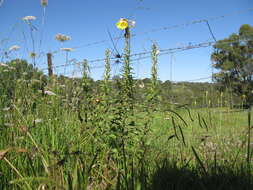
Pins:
x,y
63,133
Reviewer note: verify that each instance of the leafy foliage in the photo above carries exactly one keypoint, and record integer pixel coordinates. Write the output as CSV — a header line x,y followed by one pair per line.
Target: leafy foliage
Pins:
x,y
233,58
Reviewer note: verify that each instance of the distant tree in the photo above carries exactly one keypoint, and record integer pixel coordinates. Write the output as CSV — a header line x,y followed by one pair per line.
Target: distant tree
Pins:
x,y
116,77
233,57
13,71
19,68
166,89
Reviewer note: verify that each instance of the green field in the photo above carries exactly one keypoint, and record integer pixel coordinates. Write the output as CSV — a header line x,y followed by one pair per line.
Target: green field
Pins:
x,y
44,145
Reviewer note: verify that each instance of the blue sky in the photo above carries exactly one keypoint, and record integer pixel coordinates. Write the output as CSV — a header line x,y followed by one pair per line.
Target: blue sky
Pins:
x,y
88,21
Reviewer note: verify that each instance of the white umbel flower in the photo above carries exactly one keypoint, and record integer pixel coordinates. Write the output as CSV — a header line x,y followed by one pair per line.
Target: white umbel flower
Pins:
x,y
6,109
142,85
14,48
50,93
67,49
3,65
29,18
38,120
62,37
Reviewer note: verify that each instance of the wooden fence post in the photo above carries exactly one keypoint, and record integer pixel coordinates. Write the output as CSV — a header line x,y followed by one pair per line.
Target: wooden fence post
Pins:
x,y
49,64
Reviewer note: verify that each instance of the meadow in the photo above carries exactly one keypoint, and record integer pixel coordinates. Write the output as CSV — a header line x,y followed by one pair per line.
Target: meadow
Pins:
x,y
63,133
119,133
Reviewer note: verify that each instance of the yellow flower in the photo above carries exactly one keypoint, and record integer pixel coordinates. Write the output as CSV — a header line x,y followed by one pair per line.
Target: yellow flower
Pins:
x,y
122,24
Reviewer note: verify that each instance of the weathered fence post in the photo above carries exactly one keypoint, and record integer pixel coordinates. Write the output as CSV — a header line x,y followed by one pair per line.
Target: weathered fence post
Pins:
x,y
49,64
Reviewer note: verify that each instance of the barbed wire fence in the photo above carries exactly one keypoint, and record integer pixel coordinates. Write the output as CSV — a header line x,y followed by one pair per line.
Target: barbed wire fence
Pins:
x,y
193,22
136,58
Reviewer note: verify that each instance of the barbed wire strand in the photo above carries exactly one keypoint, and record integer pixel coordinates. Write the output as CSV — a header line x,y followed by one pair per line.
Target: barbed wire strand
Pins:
x,y
162,52
205,20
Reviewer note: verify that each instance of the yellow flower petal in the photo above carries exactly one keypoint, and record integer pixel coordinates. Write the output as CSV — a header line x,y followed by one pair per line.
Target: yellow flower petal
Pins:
x,y
122,24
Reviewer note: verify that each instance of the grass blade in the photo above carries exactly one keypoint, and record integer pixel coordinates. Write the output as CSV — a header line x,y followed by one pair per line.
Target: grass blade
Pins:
x,y
199,160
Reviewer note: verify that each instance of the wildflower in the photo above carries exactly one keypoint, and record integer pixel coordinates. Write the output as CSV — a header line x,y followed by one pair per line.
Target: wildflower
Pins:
x,y
14,48
122,24
62,37
6,109
3,65
67,49
23,129
44,2
243,96
29,18
50,93
38,120
142,85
